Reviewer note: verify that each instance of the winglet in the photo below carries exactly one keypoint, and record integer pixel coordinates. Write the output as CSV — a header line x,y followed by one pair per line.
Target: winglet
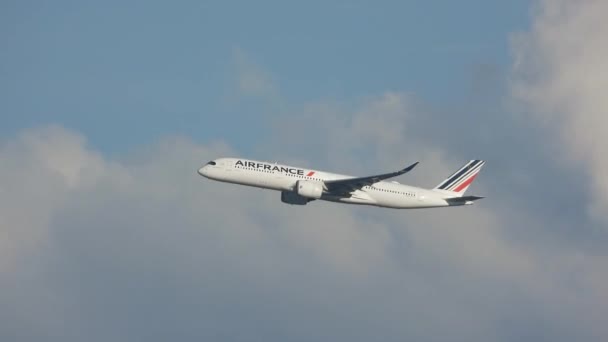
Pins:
x,y
409,168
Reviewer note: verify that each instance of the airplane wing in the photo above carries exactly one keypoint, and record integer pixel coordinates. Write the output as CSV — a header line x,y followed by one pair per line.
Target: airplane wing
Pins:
x,y
350,184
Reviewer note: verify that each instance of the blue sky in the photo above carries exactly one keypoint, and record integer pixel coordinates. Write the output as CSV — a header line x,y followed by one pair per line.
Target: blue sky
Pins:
x,y
108,109
126,73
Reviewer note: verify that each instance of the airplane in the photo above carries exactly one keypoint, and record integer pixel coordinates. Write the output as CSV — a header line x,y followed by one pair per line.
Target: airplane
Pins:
x,y
300,186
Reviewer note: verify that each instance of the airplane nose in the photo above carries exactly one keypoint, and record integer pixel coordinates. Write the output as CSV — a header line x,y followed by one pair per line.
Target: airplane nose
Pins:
x,y
202,171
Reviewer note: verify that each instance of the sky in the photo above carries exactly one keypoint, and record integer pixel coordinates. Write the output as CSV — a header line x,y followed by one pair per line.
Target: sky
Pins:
x,y
109,108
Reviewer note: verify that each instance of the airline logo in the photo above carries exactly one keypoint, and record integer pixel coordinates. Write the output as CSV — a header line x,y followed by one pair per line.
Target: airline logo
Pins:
x,y
462,178
269,167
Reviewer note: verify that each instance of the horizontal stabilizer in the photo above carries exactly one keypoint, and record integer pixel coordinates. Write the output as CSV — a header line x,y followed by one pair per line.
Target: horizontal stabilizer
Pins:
x,y
462,200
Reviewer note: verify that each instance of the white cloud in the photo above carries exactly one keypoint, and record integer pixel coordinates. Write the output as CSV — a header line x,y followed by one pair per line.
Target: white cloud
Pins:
x,y
38,171
560,72
251,80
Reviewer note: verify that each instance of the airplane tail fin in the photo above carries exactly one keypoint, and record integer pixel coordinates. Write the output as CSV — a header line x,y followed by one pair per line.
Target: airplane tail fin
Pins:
x,y
460,180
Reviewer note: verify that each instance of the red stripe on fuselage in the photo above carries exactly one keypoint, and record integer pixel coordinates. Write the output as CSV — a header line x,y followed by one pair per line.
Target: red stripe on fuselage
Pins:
x,y
310,174
465,183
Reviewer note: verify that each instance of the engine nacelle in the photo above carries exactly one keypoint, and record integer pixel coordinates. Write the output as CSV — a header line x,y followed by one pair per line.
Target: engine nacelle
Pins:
x,y
291,197
309,189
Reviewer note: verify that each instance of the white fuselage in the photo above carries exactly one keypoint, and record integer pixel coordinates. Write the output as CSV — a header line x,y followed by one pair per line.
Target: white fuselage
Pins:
x,y
284,178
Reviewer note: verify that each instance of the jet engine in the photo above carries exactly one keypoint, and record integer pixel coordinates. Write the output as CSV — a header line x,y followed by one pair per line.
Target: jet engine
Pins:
x,y
291,197
309,189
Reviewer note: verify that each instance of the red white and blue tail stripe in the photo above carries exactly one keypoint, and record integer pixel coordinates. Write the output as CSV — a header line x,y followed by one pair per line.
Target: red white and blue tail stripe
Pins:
x,y
460,180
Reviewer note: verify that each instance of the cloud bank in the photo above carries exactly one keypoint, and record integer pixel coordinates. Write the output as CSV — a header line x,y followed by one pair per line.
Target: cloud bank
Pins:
x,y
143,248
560,73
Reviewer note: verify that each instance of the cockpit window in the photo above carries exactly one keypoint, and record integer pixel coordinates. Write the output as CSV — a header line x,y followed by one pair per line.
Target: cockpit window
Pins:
x,y
211,163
